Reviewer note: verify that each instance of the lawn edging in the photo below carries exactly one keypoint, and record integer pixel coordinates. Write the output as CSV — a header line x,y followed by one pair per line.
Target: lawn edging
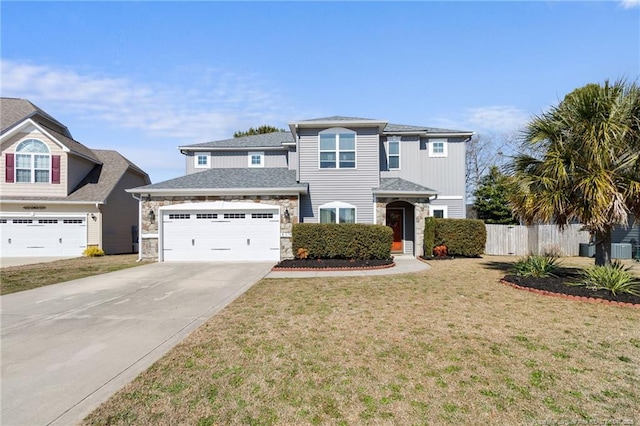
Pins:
x,y
570,297
359,268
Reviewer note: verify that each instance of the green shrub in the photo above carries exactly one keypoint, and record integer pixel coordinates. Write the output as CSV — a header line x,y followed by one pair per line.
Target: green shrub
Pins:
x,y
342,241
536,266
463,237
429,235
614,278
93,251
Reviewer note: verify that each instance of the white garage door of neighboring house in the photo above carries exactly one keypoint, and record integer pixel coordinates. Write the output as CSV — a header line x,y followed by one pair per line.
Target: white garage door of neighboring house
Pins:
x,y
223,235
43,236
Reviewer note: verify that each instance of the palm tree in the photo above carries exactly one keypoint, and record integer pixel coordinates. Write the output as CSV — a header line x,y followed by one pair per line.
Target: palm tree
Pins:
x,y
586,163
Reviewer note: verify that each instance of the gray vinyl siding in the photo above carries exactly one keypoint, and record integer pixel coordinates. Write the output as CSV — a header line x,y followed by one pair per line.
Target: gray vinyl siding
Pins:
x,y
353,186
625,235
237,160
293,158
455,208
120,214
444,174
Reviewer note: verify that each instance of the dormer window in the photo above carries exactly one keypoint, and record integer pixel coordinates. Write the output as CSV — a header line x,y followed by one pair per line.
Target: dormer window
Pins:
x,y
337,149
33,162
256,159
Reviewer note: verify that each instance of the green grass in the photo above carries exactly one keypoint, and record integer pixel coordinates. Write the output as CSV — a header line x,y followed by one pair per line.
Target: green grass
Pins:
x,y
26,277
410,349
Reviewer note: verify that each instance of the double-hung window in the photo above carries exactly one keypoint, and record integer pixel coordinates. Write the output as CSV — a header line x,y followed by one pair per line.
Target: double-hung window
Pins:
x,y
338,150
33,162
393,154
337,212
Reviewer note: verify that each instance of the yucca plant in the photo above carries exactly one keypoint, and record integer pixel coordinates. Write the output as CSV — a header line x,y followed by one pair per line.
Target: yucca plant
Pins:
x,y
615,278
536,266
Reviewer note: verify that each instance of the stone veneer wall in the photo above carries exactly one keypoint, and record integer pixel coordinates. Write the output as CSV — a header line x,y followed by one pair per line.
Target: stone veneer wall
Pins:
x,y
149,233
421,211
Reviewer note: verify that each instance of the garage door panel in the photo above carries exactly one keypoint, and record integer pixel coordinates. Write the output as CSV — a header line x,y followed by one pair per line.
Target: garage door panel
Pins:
x,y
44,236
221,235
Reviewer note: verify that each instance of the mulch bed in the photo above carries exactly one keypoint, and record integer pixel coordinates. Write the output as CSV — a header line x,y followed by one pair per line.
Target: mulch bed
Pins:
x,y
306,264
560,285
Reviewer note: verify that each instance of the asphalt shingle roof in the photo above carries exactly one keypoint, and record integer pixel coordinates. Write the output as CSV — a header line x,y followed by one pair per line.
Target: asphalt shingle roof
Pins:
x,y
401,185
231,179
265,140
14,111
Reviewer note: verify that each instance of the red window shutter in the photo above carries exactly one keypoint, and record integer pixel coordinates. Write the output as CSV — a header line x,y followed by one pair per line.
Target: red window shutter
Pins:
x,y
55,169
9,168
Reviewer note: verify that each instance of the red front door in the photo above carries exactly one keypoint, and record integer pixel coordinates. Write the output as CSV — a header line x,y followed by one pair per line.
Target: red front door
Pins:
x,y
395,219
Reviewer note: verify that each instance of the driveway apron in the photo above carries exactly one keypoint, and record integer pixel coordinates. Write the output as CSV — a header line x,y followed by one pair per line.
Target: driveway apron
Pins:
x,y
67,347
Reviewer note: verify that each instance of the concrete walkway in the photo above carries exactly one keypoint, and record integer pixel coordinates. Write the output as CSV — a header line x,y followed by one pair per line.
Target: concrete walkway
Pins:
x,y
404,265
67,347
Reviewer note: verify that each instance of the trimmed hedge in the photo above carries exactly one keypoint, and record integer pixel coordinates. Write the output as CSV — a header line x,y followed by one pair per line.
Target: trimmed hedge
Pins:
x,y
343,240
463,237
429,235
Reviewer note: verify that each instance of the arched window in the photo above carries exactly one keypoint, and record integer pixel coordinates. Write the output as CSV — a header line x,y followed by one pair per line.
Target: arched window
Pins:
x,y
337,212
33,162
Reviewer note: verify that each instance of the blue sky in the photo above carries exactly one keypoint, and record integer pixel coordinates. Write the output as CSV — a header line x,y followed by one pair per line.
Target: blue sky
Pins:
x,y
145,77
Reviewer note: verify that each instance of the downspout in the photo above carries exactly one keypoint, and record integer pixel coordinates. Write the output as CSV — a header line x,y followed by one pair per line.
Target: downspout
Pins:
x,y
139,226
101,225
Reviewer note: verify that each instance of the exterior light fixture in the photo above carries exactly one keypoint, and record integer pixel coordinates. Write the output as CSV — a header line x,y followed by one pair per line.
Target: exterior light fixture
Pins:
x,y
152,216
287,216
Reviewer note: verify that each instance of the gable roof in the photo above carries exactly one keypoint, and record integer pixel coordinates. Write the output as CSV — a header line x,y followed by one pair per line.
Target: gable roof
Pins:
x,y
229,181
15,112
264,140
398,186
98,184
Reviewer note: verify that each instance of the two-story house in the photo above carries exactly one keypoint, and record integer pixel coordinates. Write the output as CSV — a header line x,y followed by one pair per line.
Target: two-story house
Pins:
x,y
240,197
57,196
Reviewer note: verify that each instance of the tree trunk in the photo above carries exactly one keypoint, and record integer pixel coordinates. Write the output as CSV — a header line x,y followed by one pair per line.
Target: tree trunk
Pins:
x,y
603,247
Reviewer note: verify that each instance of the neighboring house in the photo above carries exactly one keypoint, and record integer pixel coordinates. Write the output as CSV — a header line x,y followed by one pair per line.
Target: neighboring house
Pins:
x,y
56,195
240,197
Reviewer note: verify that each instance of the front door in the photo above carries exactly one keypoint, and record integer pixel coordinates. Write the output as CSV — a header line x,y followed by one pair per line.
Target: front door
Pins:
x,y
395,219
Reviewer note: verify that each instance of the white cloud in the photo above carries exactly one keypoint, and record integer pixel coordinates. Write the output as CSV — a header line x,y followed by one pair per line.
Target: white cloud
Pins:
x,y
211,105
629,4
496,119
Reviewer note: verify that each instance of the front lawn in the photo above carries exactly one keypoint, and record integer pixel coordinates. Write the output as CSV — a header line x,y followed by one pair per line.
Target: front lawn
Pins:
x,y
447,346
26,277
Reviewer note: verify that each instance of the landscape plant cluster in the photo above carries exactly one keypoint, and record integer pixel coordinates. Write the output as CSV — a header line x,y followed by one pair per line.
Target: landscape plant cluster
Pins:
x,y
454,237
341,241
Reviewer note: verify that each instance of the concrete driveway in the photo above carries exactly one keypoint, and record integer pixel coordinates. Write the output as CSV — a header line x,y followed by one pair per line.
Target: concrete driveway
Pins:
x,y
67,347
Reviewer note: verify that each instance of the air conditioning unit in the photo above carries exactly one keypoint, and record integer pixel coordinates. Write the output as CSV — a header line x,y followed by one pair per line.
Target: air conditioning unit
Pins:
x,y
621,251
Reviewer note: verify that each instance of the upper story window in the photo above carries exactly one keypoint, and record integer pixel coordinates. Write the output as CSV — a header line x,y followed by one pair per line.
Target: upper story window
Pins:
x,y
202,160
393,154
438,148
337,149
337,212
256,159
33,162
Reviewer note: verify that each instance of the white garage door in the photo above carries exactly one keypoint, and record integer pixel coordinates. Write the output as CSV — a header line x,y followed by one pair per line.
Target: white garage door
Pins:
x,y
229,235
43,236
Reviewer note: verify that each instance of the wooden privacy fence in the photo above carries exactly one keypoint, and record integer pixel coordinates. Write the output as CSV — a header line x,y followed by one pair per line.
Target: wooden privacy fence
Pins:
x,y
518,240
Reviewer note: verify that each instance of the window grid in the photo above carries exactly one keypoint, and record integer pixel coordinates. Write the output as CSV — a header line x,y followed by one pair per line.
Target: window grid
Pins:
x,y
47,220
22,221
393,157
234,215
71,221
261,215
179,216
206,216
32,162
337,150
